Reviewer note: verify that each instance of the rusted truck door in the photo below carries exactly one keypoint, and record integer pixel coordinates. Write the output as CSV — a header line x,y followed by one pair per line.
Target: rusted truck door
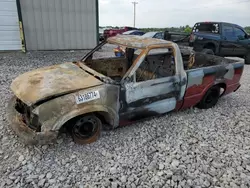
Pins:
x,y
154,90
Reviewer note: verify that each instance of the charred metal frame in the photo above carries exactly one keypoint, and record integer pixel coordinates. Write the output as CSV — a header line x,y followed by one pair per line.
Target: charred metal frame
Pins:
x,y
116,104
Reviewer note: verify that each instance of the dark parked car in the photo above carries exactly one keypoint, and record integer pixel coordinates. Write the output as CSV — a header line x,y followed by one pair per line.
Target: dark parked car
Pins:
x,y
134,32
223,39
154,34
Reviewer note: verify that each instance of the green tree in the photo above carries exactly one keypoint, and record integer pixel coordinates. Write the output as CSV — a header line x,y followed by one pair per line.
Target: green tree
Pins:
x,y
247,29
188,29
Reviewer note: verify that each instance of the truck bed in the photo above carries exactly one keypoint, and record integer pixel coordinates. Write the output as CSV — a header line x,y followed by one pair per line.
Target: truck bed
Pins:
x,y
209,70
202,60
206,60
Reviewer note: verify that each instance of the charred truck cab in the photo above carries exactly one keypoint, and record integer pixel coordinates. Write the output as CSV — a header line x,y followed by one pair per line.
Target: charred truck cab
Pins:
x,y
154,77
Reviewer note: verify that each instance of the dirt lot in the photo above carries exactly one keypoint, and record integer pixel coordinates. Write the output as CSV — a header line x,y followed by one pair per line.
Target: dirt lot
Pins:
x,y
191,148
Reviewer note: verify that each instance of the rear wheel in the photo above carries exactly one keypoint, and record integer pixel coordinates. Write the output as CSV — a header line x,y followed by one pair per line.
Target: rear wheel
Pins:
x,y
86,129
247,59
208,51
210,98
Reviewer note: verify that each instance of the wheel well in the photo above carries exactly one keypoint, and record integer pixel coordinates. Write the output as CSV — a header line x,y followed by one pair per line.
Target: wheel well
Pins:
x,y
223,88
210,46
103,116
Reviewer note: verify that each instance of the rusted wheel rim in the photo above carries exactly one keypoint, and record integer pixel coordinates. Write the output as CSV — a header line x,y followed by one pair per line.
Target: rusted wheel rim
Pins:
x,y
85,127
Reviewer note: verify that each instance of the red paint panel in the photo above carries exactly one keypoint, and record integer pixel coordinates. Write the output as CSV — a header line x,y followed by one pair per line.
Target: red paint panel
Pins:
x,y
178,105
195,93
231,88
236,78
233,84
198,89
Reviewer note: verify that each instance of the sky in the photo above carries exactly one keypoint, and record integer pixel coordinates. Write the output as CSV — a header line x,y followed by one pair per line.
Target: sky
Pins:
x,y
175,13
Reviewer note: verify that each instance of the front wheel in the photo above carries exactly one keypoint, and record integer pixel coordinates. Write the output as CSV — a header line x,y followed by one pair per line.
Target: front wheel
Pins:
x,y
210,98
86,129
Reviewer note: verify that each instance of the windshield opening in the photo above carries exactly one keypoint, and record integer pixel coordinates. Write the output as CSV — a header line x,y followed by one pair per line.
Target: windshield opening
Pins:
x,y
111,60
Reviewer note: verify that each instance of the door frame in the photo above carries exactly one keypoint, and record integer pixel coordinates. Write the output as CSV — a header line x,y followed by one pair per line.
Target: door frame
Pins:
x,y
227,46
176,85
179,66
239,48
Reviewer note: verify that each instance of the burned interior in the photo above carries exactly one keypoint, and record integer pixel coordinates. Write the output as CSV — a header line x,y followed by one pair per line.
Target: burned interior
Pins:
x,y
158,63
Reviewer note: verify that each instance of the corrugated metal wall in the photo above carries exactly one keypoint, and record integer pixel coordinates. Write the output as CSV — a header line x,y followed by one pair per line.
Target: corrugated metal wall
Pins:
x,y
59,24
9,27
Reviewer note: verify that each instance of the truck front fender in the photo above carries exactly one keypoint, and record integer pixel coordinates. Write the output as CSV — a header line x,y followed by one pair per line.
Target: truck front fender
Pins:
x,y
108,114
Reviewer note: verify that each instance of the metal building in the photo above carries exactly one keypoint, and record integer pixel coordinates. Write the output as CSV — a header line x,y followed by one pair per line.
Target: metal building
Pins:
x,y
55,24
9,26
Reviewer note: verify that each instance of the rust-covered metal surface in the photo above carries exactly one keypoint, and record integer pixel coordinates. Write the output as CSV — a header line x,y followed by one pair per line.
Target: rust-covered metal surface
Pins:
x,y
136,41
28,135
42,83
41,124
65,107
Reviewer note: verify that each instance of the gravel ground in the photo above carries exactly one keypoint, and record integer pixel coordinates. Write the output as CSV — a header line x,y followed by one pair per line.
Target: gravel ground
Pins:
x,y
191,148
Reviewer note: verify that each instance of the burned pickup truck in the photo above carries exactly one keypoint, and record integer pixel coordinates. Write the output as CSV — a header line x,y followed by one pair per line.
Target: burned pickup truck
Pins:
x,y
154,77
